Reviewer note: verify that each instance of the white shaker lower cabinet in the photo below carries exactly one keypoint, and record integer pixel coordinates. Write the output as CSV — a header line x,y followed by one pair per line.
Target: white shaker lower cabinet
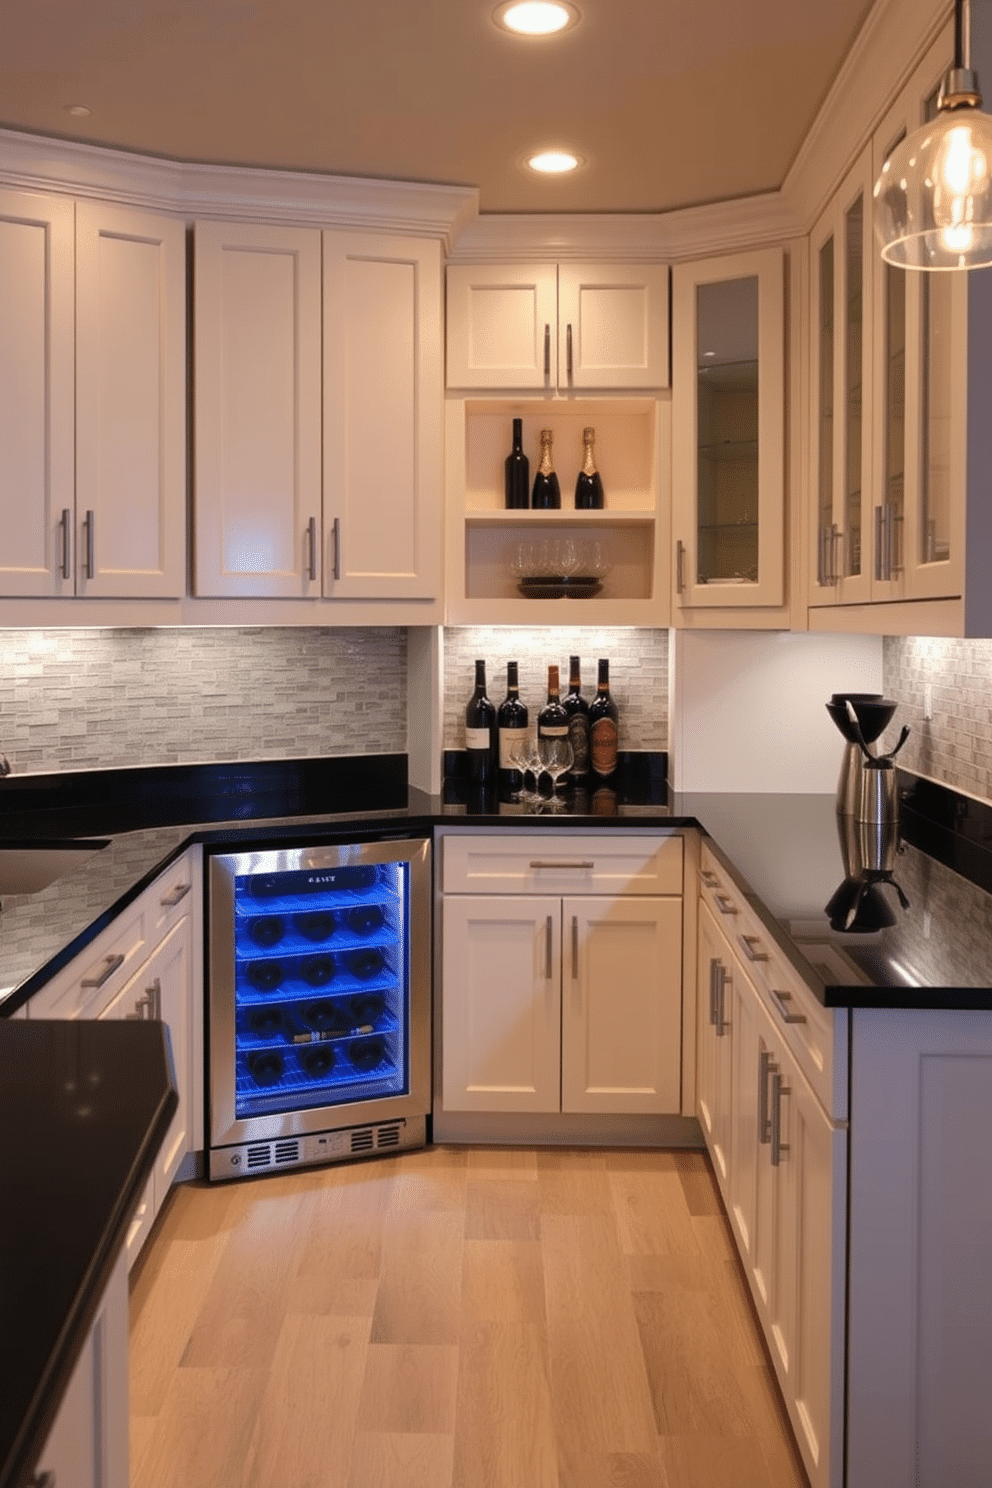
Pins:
x,y
87,1446
767,1100
555,1001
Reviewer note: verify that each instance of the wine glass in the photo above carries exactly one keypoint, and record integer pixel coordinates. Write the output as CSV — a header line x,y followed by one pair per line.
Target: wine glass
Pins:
x,y
557,758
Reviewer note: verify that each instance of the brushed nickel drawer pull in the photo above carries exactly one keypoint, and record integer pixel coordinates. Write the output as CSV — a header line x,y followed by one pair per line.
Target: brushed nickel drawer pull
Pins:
x,y
709,878
173,897
110,965
765,1068
561,863
549,948
547,350
779,1088
748,943
312,548
782,1000
90,558
575,948
568,353
725,905
721,1000
66,524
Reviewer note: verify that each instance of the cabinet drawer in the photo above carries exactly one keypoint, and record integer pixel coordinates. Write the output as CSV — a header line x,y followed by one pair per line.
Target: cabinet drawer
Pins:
x,y
815,1034
561,863
171,895
97,975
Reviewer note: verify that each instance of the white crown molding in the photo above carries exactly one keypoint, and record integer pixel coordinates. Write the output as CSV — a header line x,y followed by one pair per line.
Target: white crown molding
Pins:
x,y
31,162
892,41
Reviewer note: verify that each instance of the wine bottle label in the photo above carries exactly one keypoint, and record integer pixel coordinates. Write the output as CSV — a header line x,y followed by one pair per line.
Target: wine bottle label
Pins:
x,y
477,738
603,740
578,737
553,731
509,741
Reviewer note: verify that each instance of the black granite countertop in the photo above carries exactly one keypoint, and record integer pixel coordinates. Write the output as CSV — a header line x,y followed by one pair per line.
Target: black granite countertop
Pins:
x,y
84,1107
786,853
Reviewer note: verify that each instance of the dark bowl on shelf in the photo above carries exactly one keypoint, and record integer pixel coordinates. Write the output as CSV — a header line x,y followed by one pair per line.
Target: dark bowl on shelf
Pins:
x,y
873,714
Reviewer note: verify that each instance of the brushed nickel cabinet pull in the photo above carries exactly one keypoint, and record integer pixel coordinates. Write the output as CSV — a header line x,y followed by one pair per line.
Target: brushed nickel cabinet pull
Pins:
x,y
549,951
110,965
679,557
337,548
561,863
575,948
88,524
708,878
779,1089
547,351
748,943
879,563
568,351
312,541
721,1000
174,895
765,1068
66,528
724,905
713,972
154,997
782,1000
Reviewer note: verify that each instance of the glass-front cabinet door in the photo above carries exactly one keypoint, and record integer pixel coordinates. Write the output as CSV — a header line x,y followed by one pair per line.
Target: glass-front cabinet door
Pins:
x,y
920,353
728,362
841,388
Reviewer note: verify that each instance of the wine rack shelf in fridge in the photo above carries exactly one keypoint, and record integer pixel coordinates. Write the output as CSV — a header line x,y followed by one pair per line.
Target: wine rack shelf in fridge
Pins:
x,y
319,999
631,532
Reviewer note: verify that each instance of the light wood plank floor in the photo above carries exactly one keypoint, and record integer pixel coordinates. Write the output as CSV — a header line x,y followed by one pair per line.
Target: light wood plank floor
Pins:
x,y
454,1318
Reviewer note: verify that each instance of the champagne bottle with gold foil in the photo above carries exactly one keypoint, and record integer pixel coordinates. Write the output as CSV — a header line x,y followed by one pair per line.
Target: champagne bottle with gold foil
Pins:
x,y
589,485
546,495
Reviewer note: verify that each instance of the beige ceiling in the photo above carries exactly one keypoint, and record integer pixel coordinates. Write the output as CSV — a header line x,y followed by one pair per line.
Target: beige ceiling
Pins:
x,y
670,102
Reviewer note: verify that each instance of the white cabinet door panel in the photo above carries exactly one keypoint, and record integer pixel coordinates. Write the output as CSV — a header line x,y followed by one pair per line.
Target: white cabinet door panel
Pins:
x,y
621,1005
502,1004
613,325
130,403
502,326
258,410
382,417
37,455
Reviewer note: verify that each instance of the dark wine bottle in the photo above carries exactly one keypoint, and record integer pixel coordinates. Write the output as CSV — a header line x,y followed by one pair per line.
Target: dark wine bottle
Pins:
x,y
589,484
266,1067
265,976
366,1053
577,710
318,970
517,470
511,724
365,964
604,719
317,1061
546,494
316,925
266,931
367,1007
324,1016
552,721
365,919
480,732
266,1022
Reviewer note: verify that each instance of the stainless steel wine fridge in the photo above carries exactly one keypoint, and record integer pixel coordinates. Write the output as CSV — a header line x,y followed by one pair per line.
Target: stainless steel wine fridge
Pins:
x,y
318,1004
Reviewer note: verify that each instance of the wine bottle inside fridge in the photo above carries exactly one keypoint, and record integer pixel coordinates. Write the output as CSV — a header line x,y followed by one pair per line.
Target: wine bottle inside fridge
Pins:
x,y
546,495
517,470
589,484
480,732
604,733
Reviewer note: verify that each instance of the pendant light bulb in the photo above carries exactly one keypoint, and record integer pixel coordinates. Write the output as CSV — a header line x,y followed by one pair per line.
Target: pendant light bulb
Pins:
x,y
933,197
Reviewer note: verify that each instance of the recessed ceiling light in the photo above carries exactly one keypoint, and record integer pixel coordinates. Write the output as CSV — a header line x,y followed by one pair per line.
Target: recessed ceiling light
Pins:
x,y
536,17
78,110
554,162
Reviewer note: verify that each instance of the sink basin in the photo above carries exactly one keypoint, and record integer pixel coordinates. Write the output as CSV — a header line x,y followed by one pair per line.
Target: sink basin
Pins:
x,y
26,869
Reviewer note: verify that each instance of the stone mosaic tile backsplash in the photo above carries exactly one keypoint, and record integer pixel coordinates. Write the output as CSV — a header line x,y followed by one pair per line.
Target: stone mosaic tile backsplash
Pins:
x,y
638,673
83,699
955,746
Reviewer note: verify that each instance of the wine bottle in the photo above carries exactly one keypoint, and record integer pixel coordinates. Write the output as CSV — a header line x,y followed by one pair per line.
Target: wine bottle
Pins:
x,y
365,919
366,964
266,1068
511,723
317,1060
589,484
265,1022
577,710
604,730
316,925
517,470
547,493
325,1017
552,721
265,976
318,970
480,732
366,1053
367,1007
266,930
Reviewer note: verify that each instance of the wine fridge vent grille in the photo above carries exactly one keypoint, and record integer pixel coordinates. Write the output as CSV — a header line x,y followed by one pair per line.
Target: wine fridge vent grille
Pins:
x,y
259,1156
362,1139
287,1152
388,1136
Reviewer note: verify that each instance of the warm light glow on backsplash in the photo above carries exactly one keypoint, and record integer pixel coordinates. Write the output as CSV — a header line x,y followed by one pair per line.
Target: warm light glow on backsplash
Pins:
x,y
955,746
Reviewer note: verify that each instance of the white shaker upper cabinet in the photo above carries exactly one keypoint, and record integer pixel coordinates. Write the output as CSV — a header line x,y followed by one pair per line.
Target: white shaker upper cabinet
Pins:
x,y
257,307
545,326
130,403
382,417
37,239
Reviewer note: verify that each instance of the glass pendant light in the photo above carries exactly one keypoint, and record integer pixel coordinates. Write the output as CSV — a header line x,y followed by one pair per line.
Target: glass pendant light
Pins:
x,y
933,198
